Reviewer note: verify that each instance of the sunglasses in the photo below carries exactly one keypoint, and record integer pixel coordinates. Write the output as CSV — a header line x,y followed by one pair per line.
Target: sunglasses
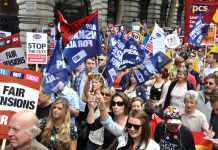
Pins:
x,y
113,103
106,94
210,83
135,126
100,59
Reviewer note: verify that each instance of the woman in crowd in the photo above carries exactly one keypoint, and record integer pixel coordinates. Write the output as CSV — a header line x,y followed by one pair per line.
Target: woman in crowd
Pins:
x,y
132,89
137,103
96,137
136,132
159,89
57,131
120,107
94,83
177,90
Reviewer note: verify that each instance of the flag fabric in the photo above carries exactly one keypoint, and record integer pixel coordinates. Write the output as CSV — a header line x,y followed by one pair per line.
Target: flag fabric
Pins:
x,y
200,142
195,65
55,74
157,33
132,54
199,30
69,29
84,44
159,60
151,66
114,61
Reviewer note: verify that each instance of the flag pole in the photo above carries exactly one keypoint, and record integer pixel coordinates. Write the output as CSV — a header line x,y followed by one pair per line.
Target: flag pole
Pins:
x,y
204,63
3,144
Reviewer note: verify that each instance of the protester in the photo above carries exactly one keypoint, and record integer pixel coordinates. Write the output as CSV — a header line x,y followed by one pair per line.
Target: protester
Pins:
x,y
57,130
73,99
95,137
212,60
210,85
137,103
171,134
189,63
137,133
156,91
177,90
81,78
44,104
212,133
132,89
120,106
22,130
191,117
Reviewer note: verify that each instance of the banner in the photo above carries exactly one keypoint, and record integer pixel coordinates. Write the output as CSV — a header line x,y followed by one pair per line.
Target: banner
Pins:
x,y
151,66
84,44
198,31
114,61
19,90
210,37
36,48
193,8
12,54
55,74
172,41
69,29
157,33
132,54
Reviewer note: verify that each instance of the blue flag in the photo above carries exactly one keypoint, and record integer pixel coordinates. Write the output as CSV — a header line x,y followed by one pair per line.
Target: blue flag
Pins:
x,y
199,30
159,60
142,76
85,44
151,66
132,54
114,61
55,74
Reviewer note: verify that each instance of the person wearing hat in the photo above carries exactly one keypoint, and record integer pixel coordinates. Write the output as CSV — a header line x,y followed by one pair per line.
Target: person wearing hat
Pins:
x,y
212,60
171,134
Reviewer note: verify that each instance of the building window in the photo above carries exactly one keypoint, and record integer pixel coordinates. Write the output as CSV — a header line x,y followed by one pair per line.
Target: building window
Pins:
x,y
143,10
8,16
163,13
112,11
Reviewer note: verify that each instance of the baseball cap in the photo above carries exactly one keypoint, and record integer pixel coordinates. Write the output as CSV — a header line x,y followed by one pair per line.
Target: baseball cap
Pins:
x,y
172,115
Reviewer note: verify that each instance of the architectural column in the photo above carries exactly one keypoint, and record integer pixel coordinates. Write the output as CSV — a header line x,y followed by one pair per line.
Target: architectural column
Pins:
x,y
101,6
34,14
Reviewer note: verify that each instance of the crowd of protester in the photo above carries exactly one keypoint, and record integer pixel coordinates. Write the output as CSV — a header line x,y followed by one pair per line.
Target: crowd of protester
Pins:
x,y
88,115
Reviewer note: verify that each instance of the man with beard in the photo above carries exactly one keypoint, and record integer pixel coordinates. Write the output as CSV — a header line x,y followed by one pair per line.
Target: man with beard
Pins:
x,y
214,120
210,84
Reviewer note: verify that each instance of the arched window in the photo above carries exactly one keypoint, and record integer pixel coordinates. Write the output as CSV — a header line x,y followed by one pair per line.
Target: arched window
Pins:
x,y
8,16
163,13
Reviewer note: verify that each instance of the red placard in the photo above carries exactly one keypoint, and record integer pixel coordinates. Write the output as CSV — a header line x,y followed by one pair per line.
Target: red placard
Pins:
x,y
19,90
193,8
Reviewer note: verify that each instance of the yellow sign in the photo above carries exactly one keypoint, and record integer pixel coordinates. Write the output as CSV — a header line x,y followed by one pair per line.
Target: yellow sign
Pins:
x,y
209,39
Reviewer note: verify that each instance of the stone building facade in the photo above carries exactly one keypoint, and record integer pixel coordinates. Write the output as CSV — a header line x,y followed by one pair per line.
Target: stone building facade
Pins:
x,y
31,14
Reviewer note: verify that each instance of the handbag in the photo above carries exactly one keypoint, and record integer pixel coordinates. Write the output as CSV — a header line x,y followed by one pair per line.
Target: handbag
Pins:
x,y
83,135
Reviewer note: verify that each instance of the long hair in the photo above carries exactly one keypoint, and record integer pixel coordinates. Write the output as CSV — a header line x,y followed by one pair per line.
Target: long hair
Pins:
x,y
146,129
63,137
125,99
